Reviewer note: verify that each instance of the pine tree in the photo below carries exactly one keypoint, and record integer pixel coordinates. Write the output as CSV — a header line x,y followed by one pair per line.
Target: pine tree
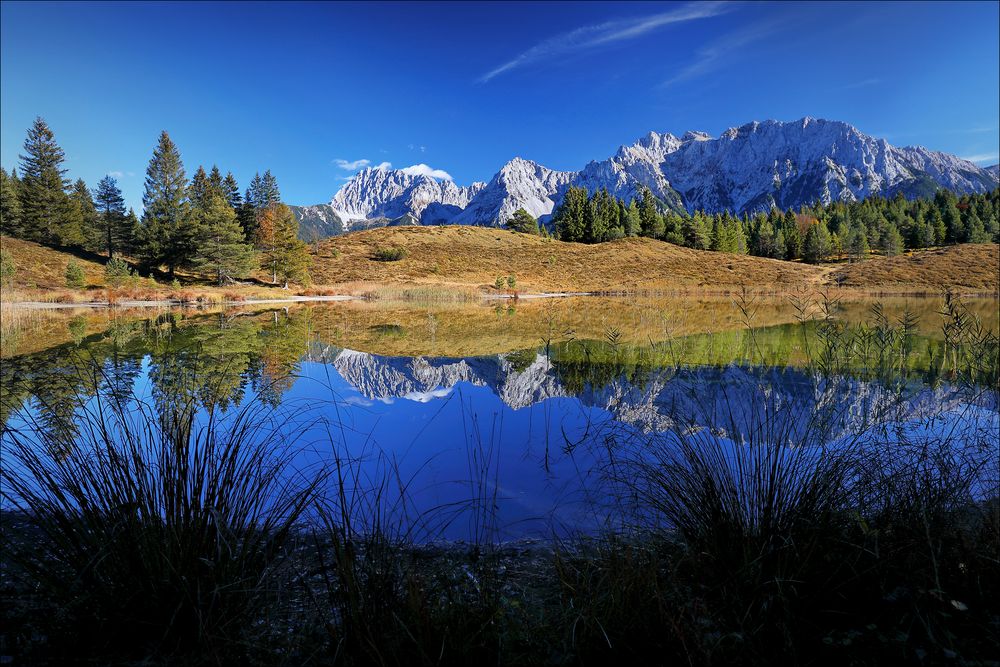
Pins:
x,y
79,219
522,222
112,229
197,190
856,242
816,246
10,205
283,254
220,247
793,239
231,190
632,222
569,216
890,240
215,181
43,188
650,221
166,225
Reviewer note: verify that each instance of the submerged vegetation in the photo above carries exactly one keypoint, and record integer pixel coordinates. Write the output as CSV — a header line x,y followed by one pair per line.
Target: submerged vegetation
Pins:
x,y
176,522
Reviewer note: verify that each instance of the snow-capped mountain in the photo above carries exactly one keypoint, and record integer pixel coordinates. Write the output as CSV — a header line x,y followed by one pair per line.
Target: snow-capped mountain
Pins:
x,y
749,168
519,184
390,194
726,398
760,165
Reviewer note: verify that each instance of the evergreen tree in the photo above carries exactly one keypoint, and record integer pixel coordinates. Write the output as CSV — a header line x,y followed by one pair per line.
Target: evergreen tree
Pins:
x,y
816,245
569,216
167,237
793,240
632,222
523,222
890,240
197,191
112,230
231,190
80,218
856,242
650,221
43,188
695,231
10,205
220,247
283,254
215,182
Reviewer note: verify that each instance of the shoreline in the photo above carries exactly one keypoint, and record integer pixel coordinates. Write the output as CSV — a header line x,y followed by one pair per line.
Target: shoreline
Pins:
x,y
721,291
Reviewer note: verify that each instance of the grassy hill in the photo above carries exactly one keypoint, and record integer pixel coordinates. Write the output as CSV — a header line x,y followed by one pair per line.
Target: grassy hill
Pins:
x,y
475,256
974,266
42,267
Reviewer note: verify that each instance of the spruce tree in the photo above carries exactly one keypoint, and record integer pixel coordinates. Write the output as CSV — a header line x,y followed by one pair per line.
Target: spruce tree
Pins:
x,y
231,190
43,186
10,205
166,226
650,221
569,216
633,223
79,219
816,245
220,248
198,187
113,229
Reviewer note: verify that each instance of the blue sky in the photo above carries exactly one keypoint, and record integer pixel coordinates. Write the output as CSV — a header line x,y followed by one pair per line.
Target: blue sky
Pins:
x,y
314,91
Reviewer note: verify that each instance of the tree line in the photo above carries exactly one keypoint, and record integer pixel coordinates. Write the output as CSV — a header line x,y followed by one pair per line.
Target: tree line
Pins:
x,y
813,233
203,225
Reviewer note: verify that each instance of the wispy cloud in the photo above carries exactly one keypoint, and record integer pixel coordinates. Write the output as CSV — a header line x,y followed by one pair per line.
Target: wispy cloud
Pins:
x,y
116,174
610,32
384,165
721,51
351,165
990,158
424,170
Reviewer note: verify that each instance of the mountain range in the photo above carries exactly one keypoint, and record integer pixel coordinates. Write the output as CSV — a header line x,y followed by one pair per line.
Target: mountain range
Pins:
x,y
749,168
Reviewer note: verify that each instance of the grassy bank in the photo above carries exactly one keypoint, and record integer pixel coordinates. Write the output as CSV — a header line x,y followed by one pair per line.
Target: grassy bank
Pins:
x,y
460,263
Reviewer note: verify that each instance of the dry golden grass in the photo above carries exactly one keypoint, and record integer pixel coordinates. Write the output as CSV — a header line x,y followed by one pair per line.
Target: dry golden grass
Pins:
x,y
460,257
971,266
41,267
457,258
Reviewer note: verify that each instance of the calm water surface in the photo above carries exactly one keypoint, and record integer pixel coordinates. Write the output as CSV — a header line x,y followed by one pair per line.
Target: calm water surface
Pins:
x,y
507,419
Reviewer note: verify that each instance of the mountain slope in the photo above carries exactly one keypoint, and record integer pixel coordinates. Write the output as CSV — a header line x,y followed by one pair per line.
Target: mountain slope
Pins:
x,y
749,168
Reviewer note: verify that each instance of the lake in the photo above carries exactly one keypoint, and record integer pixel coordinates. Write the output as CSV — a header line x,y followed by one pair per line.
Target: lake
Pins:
x,y
514,419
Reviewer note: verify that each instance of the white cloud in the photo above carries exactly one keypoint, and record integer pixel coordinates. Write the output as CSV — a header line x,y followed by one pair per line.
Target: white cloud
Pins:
x,y
115,174
610,32
351,165
424,170
989,158
717,53
384,165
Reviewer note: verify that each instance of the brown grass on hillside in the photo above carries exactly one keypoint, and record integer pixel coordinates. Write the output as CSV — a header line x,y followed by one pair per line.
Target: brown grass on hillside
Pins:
x,y
974,266
460,256
41,267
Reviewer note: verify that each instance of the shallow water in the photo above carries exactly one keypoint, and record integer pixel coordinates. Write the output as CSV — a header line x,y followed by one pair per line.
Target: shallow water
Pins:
x,y
506,420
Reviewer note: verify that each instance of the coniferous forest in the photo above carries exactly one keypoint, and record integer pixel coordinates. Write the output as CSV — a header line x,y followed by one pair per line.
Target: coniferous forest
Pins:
x,y
813,234
202,225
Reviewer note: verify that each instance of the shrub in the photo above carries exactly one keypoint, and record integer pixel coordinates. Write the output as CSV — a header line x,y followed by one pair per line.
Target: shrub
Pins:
x,y
499,283
7,269
392,254
153,535
117,272
74,275
511,282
